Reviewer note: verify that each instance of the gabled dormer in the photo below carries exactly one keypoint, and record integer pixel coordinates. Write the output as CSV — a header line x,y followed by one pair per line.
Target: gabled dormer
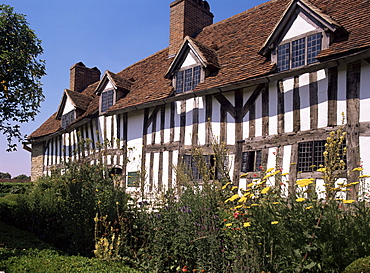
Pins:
x,y
192,64
299,36
72,105
110,89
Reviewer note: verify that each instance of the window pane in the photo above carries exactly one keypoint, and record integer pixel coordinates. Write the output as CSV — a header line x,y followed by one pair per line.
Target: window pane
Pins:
x,y
305,156
313,47
319,147
258,160
188,80
283,57
196,76
68,118
133,179
107,100
179,82
298,52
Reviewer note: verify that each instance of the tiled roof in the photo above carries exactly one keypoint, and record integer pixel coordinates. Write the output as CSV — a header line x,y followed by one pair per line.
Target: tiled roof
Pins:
x,y
236,42
80,100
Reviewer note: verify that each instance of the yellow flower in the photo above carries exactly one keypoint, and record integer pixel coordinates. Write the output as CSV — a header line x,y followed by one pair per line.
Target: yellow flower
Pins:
x,y
229,224
234,188
348,201
285,174
242,199
224,186
357,169
117,203
96,190
99,202
244,175
275,203
269,170
310,207
250,185
267,176
254,205
364,176
232,198
265,190
238,207
247,224
274,222
321,170
300,199
304,182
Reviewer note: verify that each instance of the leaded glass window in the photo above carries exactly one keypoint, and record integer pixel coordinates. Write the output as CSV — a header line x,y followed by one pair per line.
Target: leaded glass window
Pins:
x,y
187,80
299,52
313,47
283,57
251,161
106,100
68,118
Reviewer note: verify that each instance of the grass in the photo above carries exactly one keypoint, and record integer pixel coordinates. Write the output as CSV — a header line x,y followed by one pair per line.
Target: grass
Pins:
x,y
21,251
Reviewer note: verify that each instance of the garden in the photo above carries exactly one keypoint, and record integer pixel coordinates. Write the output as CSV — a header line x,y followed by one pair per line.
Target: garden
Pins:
x,y
87,224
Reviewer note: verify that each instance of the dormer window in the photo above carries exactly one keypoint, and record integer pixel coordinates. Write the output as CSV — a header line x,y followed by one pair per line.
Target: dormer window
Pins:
x,y
187,79
106,100
298,52
68,118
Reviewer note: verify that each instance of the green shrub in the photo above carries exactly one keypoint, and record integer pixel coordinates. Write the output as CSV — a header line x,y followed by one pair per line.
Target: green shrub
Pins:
x,y
61,208
359,266
50,261
8,205
13,188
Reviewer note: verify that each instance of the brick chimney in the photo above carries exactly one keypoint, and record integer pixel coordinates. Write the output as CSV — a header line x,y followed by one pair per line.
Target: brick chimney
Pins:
x,y
82,76
187,18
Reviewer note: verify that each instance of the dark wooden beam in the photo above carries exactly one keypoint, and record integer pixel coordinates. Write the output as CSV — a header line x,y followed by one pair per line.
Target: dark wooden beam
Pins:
x,y
226,104
252,99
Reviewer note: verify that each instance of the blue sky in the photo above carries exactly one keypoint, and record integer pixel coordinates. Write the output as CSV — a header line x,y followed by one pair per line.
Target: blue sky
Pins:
x,y
110,35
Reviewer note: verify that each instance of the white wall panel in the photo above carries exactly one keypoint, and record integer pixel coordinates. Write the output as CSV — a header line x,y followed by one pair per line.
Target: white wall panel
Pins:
x,y
273,103
288,104
365,92
341,104
322,84
304,94
258,121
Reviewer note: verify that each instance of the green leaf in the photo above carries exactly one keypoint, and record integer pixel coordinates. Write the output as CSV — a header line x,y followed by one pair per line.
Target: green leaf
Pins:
x,y
309,266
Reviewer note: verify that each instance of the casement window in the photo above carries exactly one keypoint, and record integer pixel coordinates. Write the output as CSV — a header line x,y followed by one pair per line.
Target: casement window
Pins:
x,y
191,165
311,155
133,179
251,161
299,52
106,100
187,79
68,118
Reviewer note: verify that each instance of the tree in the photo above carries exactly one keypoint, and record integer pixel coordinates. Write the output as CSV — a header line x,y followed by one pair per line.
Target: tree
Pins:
x,y
22,177
20,74
5,175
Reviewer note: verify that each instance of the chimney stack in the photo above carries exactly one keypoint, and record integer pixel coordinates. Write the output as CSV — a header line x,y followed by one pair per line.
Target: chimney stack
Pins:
x,y
187,18
82,76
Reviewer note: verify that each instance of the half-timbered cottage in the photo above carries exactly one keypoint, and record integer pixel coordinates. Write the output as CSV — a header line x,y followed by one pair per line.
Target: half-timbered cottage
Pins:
x,y
273,80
